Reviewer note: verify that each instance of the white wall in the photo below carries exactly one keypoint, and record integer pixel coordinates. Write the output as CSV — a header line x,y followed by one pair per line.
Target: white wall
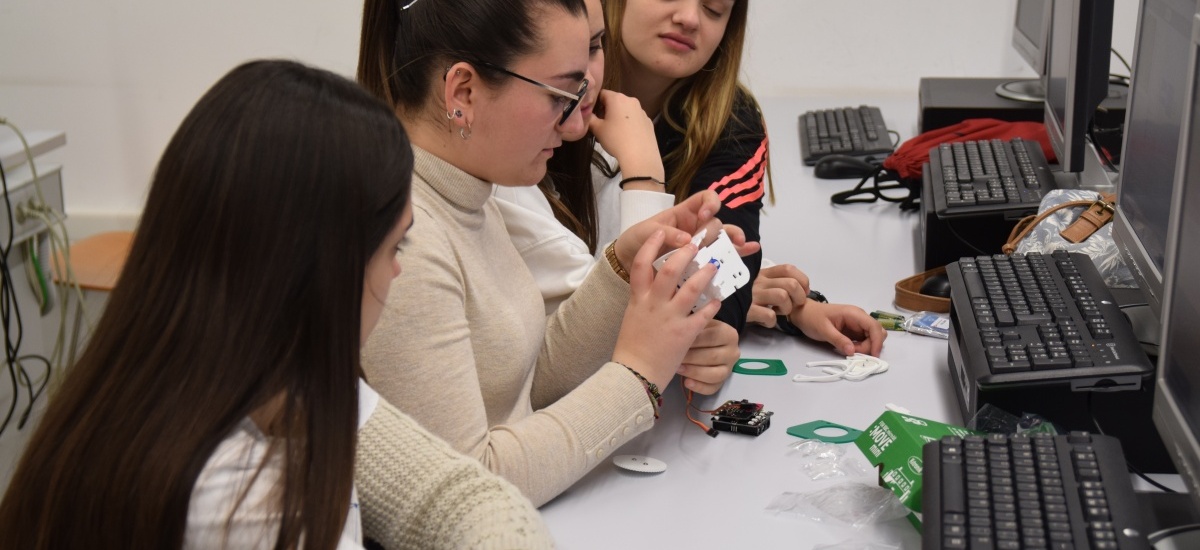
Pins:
x,y
119,75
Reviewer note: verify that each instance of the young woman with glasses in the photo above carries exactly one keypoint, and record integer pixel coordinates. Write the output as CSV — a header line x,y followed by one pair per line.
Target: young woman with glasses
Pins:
x,y
586,199
217,402
555,225
539,399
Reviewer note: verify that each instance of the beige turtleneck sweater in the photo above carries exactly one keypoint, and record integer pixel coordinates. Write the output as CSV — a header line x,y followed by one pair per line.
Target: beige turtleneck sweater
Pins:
x,y
464,345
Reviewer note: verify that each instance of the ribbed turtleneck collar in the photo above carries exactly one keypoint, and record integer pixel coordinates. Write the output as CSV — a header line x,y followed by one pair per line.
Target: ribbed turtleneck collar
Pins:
x,y
456,186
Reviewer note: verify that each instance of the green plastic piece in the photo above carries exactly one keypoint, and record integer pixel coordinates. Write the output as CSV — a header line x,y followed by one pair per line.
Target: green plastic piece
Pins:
x,y
773,367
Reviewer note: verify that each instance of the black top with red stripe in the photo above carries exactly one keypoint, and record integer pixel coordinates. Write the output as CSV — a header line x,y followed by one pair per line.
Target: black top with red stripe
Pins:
x,y
735,169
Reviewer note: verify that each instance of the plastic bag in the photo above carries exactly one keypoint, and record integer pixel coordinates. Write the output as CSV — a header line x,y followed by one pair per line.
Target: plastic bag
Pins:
x,y
928,323
1045,237
853,544
821,460
994,420
851,503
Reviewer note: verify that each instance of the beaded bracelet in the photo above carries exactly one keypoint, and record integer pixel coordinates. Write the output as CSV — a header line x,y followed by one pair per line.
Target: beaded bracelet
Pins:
x,y
640,178
611,254
651,389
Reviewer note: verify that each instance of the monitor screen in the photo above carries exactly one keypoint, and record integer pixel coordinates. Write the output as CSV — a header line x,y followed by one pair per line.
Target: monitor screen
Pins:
x,y
1152,123
1076,74
1030,29
1177,397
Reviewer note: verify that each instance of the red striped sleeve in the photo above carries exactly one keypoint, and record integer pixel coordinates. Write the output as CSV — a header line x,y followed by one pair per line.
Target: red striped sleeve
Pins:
x,y
746,183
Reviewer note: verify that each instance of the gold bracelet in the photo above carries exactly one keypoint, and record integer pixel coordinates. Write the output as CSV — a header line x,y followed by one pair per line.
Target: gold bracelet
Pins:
x,y
611,254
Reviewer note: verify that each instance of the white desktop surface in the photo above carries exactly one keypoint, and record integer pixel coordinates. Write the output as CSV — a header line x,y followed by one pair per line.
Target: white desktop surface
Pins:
x,y
715,491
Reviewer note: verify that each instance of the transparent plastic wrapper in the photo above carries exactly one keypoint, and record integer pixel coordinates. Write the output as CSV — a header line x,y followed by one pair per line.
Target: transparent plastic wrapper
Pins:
x,y
853,544
992,419
928,323
1045,237
821,460
850,503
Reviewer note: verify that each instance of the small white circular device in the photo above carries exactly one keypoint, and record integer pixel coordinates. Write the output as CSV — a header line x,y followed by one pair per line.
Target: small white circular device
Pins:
x,y
639,463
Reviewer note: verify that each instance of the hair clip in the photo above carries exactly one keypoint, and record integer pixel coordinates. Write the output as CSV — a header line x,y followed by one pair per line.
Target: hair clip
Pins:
x,y
408,5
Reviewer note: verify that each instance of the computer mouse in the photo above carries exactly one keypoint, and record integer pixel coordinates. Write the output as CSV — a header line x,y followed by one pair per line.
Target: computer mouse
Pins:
x,y
936,285
836,167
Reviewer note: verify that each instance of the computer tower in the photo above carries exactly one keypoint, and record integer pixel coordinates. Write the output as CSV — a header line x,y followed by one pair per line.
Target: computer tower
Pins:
x,y
944,240
948,101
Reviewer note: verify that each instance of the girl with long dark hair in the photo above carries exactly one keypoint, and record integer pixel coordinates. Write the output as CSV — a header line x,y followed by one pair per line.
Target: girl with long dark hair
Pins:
x,y
218,401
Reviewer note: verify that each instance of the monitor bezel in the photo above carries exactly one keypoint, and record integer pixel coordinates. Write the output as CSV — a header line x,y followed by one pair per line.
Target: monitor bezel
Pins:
x,y
1147,275
1169,418
1067,136
1034,55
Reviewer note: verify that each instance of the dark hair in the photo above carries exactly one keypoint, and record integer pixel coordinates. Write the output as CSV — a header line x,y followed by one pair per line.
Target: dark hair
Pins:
x,y
243,287
401,50
569,189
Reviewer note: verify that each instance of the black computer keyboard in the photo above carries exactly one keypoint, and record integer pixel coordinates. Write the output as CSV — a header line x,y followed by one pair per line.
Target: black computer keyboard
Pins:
x,y
974,177
1020,491
1038,318
855,131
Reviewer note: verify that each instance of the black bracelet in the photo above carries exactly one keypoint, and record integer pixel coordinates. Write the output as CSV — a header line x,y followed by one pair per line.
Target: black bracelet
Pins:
x,y
640,178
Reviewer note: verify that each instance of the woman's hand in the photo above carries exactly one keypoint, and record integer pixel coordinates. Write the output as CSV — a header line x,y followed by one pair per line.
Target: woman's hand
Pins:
x,y
659,325
778,290
710,360
627,134
850,329
678,224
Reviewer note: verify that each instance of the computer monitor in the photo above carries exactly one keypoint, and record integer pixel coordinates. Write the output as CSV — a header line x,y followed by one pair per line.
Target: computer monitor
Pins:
x,y
1076,74
1177,397
1031,30
1151,139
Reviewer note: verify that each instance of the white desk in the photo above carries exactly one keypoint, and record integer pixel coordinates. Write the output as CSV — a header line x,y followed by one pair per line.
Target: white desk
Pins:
x,y
714,491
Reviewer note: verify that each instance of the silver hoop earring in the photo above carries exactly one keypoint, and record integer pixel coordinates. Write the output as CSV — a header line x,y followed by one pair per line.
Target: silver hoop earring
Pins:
x,y
465,133
451,115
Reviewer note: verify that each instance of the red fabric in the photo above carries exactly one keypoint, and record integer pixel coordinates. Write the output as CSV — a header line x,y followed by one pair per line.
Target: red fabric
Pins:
x,y
909,157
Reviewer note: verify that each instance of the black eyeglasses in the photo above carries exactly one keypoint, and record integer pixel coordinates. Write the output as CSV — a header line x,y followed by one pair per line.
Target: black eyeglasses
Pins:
x,y
572,99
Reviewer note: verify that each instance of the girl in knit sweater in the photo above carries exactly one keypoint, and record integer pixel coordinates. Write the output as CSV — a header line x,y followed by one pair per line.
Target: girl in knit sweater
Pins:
x,y
487,90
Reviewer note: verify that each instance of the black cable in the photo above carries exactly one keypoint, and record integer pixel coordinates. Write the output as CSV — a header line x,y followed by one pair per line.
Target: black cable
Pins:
x,y
8,306
33,395
1128,465
978,251
1147,479
1155,537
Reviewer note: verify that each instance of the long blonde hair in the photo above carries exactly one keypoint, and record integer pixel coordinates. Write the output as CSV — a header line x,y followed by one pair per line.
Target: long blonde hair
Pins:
x,y
707,98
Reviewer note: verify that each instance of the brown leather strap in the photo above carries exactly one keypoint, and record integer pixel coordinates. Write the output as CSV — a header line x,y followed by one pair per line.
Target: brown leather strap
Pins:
x,y
908,293
1091,220
1027,224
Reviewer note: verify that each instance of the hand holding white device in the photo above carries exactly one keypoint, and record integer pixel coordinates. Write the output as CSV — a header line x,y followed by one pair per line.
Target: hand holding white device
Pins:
x,y
732,273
